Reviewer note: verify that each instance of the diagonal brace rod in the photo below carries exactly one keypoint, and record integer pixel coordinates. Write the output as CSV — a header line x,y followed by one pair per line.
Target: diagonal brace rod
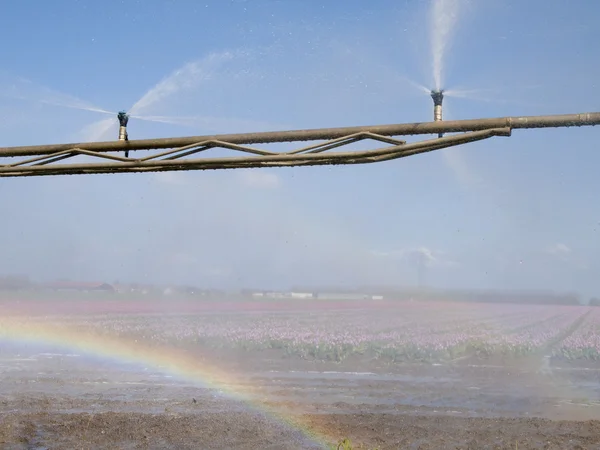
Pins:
x,y
357,157
552,121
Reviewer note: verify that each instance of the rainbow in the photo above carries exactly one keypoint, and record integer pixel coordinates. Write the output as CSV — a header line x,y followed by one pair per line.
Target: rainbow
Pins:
x,y
195,369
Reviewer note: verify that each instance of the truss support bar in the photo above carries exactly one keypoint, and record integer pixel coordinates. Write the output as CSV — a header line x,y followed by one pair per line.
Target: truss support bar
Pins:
x,y
566,120
352,157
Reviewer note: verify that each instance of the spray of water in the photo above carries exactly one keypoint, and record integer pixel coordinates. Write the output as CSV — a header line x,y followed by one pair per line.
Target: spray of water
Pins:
x,y
467,93
214,124
443,21
416,85
443,18
98,131
188,77
490,95
24,89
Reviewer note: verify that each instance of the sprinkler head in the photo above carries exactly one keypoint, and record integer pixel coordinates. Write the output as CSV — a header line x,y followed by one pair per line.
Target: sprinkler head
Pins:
x,y
123,118
438,97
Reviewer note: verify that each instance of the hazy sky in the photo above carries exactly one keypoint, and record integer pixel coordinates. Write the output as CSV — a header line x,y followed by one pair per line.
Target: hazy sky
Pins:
x,y
518,212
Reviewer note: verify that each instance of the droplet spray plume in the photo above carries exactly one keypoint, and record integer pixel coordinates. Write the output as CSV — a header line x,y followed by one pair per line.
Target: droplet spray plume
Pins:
x,y
438,98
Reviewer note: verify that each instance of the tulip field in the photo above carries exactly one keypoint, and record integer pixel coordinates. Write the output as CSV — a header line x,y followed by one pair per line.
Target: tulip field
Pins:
x,y
426,332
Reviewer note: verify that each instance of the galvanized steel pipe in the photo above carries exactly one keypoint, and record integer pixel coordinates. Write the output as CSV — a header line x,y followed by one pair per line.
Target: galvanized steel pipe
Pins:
x,y
553,121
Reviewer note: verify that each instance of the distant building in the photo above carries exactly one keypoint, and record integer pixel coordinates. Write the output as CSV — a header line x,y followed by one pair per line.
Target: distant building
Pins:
x,y
79,286
342,296
258,293
303,295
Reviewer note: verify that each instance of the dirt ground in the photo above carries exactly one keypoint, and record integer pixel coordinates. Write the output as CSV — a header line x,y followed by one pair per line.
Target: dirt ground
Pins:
x,y
50,400
113,430
53,404
403,431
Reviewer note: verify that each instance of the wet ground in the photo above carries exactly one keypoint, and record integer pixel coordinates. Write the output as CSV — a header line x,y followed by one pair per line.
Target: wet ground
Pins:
x,y
53,399
50,399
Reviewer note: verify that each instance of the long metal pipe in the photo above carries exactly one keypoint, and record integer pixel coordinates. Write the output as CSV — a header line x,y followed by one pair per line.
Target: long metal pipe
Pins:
x,y
553,121
287,160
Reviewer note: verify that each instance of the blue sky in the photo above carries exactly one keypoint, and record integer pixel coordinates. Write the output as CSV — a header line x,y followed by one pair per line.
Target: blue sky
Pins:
x,y
518,212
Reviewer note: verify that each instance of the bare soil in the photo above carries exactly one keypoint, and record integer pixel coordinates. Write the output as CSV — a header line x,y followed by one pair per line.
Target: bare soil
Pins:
x,y
403,407
113,430
474,403
394,431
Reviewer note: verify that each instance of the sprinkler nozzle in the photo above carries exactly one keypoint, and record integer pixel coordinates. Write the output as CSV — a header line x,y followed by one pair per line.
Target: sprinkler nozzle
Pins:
x,y
123,119
438,98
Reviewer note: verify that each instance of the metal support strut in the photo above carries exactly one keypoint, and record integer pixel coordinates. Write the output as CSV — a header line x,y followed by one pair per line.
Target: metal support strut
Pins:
x,y
185,153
